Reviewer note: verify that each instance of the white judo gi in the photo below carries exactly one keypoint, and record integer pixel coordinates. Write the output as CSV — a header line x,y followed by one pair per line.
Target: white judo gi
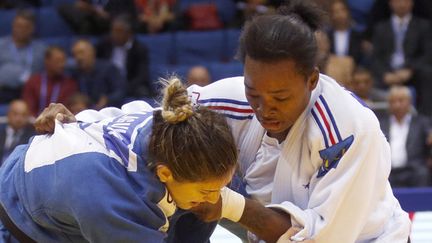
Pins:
x,y
331,172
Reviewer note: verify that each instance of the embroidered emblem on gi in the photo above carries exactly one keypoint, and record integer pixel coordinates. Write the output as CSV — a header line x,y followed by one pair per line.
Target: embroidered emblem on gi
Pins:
x,y
332,155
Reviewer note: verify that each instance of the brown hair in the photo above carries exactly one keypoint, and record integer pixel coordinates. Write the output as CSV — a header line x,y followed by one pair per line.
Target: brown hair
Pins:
x,y
194,142
51,49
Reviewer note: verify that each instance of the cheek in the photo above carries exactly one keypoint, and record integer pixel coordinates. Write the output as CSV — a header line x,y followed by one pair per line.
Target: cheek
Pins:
x,y
252,102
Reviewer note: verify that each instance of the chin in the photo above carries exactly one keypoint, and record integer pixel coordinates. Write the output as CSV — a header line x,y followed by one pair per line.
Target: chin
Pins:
x,y
184,206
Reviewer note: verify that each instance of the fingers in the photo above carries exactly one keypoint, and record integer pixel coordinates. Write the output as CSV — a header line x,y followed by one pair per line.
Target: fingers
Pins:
x,y
45,122
207,212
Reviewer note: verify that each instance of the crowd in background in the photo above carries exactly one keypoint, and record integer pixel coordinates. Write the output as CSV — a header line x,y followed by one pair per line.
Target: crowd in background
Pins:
x,y
381,50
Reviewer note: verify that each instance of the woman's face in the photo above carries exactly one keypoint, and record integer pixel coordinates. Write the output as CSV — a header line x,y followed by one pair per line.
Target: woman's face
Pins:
x,y
278,93
190,194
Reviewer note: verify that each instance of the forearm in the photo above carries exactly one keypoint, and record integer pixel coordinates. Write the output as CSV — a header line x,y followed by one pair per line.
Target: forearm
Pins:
x,y
266,223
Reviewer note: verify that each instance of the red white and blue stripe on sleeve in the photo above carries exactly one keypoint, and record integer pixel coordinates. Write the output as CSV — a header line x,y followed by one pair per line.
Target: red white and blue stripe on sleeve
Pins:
x,y
326,122
234,109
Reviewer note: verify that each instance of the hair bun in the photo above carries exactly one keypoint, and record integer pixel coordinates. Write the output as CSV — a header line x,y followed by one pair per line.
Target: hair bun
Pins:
x,y
176,105
306,11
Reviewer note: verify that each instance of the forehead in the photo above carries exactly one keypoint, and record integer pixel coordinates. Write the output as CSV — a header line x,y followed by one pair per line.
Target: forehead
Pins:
x,y
399,94
215,183
272,76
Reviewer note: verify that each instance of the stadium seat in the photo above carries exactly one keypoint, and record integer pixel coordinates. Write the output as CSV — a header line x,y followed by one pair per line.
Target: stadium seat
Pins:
x,y
164,71
161,49
63,42
226,8
6,18
49,23
232,41
225,70
197,47
4,109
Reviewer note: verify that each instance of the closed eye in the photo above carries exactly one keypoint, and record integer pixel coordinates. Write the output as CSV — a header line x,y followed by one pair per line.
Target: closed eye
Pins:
x,y
252,96
281,99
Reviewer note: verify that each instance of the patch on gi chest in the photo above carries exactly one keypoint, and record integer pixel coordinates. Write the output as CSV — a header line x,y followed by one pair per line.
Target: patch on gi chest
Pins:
x,y
332,155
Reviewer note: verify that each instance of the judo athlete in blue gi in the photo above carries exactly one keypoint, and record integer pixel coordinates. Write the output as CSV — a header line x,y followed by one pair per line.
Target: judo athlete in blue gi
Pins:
x,y
120,177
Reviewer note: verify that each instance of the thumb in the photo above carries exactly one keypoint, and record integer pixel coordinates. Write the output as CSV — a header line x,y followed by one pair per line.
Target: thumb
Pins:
x,y
60,117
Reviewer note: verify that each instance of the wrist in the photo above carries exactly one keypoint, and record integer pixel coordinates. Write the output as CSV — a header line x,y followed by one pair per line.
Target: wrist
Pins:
x,y
233,204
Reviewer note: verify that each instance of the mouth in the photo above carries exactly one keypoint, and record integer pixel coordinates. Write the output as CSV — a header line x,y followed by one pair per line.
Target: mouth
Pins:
x,y
271,124
194,204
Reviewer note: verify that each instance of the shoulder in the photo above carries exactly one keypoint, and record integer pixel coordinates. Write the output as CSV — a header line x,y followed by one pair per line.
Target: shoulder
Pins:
x,y
420,21
383,25
338,113
137,45
421,119
38,45
105,66
5,41
34,79
229,88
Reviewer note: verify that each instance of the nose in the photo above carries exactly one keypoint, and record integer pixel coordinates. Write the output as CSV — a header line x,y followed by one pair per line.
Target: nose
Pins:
x,y
264,108
213,197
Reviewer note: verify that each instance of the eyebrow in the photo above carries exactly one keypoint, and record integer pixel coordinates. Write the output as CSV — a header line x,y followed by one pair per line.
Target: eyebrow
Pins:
x,y
272,92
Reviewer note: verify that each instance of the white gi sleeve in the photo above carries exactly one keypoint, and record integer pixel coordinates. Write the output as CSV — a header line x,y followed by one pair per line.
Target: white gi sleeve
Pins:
x,y
345,199
110,112
227,96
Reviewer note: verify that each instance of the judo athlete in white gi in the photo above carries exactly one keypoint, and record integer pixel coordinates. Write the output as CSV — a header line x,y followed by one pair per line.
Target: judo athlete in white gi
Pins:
x,y
307,146
120,175
309,150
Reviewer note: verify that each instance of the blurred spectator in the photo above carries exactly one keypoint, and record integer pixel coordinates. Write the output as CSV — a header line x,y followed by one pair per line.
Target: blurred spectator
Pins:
x,y
20,56
100,80
380,11
18,129
128,55
338,67
50,86
408,134
363,86
401,46
78,102
155,15
246,9
344,40
198,75
92,17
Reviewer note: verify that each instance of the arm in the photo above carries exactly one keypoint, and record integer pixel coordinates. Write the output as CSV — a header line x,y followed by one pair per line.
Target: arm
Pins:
x,y
116,84
349,196
422,56
380,56
30,95
140,85
45,122
276,222
248,213
111,210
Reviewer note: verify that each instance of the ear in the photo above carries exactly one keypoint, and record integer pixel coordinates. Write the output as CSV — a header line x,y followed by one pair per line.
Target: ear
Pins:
x,y
164,173
313,79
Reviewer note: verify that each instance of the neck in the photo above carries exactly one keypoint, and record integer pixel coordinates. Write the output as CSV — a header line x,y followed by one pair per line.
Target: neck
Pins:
x,y
341,27
20,43
88,67
401,16
279,136
400,118
53,75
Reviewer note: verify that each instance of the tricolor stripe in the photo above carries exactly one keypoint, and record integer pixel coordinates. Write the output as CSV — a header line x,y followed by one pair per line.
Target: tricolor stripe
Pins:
x,y
326,122
234,109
